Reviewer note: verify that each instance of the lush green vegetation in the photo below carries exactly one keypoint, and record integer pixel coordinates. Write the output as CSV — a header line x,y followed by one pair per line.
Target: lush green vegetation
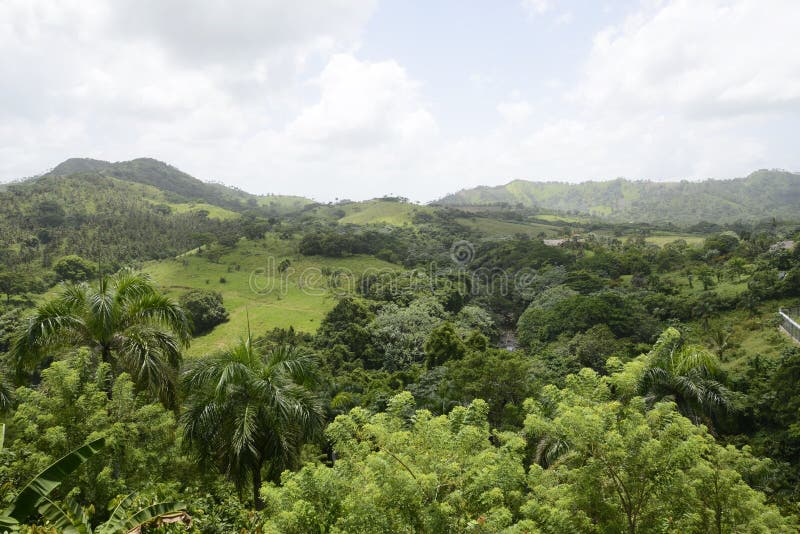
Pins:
x,y
624,200
283,366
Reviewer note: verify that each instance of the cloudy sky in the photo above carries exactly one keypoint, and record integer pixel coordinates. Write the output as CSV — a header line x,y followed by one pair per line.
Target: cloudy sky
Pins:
x,y
360,98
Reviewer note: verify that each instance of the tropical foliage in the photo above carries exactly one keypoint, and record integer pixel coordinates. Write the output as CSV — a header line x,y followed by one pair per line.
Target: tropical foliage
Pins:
x,y
248,412
492,368
123,320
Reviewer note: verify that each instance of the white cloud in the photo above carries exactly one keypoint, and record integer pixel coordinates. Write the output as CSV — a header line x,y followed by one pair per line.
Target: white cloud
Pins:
x,y
157,78
537,7
214,31
276,96
363,105
679,89
515,110
699,59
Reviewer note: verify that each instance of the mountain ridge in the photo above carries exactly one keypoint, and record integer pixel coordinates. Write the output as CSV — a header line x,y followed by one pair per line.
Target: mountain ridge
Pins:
x,y
183,187
762,194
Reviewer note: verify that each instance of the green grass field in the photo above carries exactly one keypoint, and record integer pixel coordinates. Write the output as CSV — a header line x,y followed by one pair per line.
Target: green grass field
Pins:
x,y
558,218
726,288
495,228
300,297
214,212
662,239
750,336
379,211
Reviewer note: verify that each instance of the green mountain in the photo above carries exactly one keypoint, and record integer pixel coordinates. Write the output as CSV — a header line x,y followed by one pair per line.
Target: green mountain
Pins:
x,y
179,186
762,194
122,212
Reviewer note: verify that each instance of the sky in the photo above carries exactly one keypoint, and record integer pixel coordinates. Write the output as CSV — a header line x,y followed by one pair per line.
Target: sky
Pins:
x,y
362,98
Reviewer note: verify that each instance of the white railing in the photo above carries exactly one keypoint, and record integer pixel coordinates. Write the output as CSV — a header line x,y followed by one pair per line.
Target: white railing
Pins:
x,y
788,324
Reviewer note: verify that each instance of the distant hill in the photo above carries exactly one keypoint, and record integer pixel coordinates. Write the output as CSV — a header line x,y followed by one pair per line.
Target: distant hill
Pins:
x,y
122,212
183,187
762,194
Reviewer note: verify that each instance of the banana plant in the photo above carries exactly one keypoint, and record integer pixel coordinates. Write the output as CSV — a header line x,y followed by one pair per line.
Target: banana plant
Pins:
x,y
70,517
36,492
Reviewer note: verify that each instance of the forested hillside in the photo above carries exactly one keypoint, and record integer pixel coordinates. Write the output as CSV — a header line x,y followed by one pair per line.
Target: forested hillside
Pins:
x,y
762,194
383,366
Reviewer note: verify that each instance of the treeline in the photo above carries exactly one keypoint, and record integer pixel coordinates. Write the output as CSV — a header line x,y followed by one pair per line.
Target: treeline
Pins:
x,y
681,202
495,385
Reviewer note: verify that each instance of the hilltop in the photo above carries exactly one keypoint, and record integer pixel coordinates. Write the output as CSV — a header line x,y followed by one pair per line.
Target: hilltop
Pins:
x,y
115,213
180,186
762,194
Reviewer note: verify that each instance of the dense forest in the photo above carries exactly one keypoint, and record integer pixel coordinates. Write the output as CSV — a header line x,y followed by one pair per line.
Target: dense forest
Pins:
x,y
181,356
777,192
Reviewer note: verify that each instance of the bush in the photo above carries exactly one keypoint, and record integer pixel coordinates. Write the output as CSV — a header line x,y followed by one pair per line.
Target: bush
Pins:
x,y
205,309
73,268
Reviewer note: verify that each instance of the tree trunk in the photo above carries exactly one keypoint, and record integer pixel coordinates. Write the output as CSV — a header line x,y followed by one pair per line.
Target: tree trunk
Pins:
x,y
258,504
105,355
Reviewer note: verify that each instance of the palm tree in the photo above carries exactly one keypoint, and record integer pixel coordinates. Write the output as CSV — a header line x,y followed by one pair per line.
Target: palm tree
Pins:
x,y
6,392
123,320
685,374
247,412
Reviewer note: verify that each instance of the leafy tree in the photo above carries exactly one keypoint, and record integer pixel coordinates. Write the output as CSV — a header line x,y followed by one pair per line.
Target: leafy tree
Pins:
x,y
73,268
724,243
71,404
10,322
400,333
49,214
443,344
706,276
122,319
501,378
346,325
474,318
546,319
405,471
619,467
593,347
737,267
17,281
706,308
204,309
246,412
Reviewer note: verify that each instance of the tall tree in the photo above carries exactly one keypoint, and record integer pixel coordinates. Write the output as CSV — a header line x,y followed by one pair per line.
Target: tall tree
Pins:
x,y
248,412
122,319
678,371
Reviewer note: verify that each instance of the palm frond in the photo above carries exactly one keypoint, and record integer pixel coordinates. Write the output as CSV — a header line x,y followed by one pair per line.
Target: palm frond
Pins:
x,y
153,358
244,410
100,305
300,366
6,393
130,285
52,325
550,450
158,310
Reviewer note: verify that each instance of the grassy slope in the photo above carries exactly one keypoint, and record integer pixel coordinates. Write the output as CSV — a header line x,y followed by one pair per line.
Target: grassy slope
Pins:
x,y
287,305
663,238
283,203
379,211
750,336
214,212
496,228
